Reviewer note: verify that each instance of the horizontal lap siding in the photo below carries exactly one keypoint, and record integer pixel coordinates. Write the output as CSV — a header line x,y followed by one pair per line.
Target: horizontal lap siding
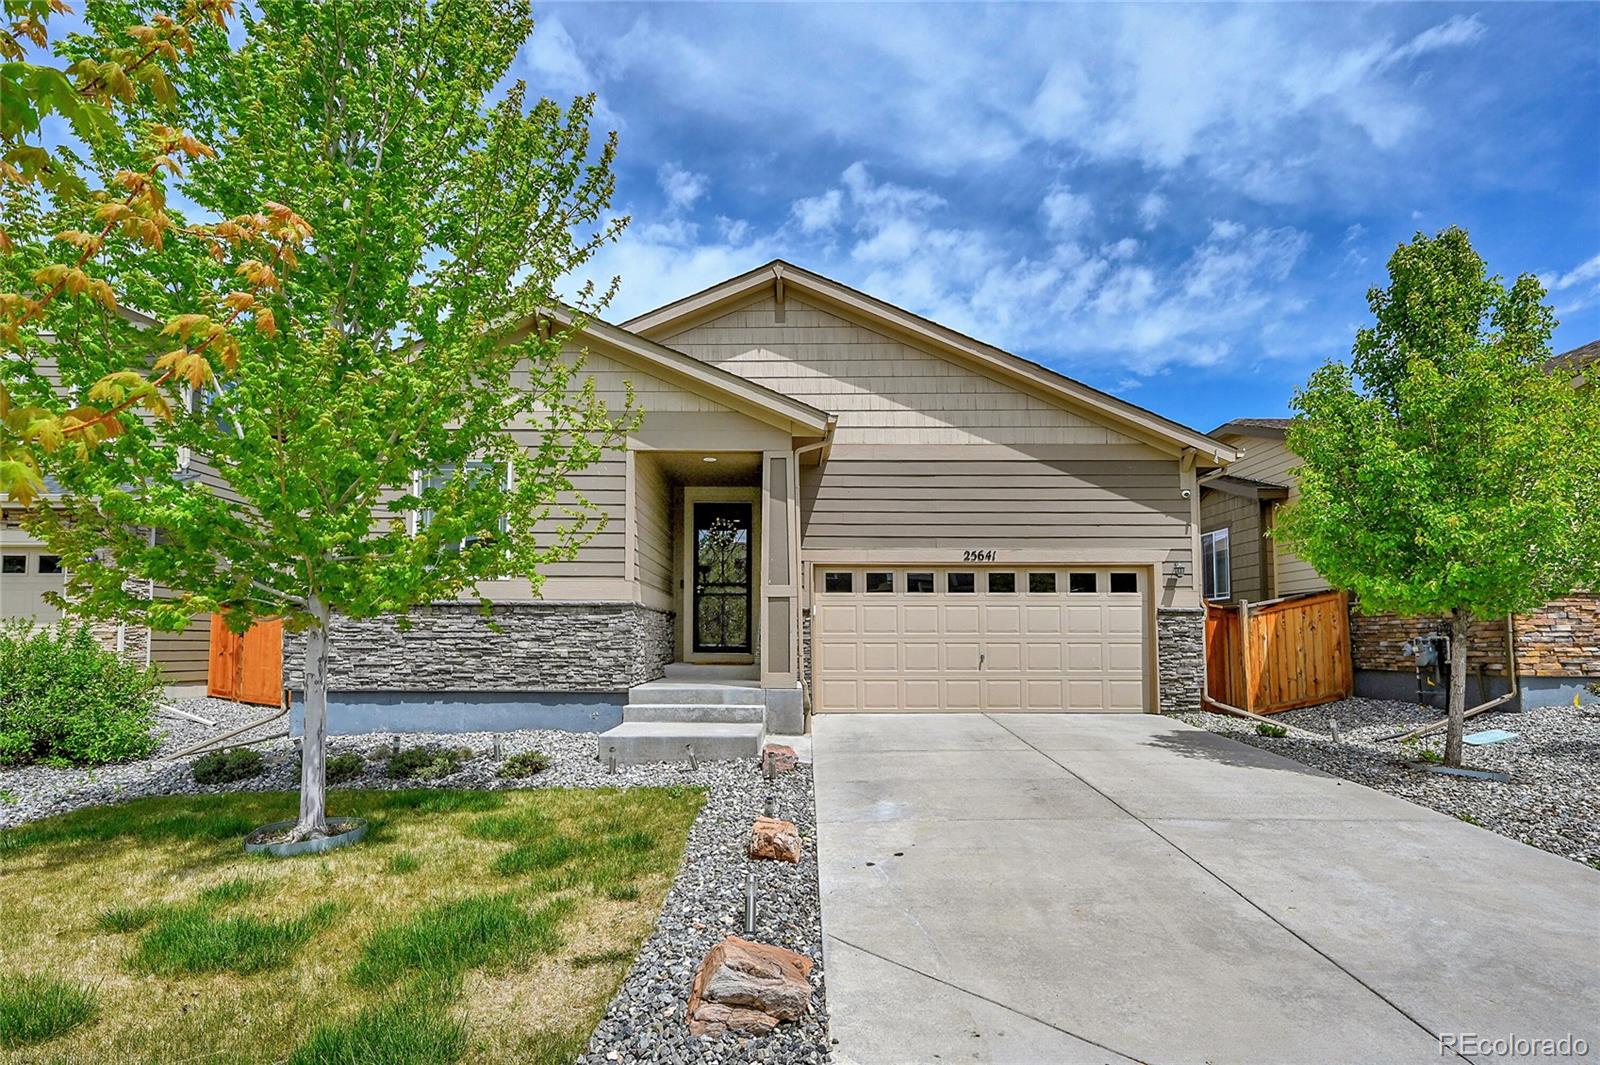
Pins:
x,y
652,497
1271,460
1242,518
183,656
1021,506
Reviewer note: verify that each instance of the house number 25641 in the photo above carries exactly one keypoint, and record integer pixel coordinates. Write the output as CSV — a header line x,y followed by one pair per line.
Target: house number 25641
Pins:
x,y
979,554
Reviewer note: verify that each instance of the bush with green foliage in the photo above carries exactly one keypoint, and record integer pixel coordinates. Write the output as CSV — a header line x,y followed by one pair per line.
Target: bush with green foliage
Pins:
x,y
343,768
225,767
426,763
66,700
524,764
1266,728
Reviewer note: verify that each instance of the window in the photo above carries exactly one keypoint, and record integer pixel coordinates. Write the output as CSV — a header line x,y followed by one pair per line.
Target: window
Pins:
x,y
1002,582
838,582
49,563
14,564
1081,583
1124,583
1041,582
880,582
920,583
442,477
961,582
1216,572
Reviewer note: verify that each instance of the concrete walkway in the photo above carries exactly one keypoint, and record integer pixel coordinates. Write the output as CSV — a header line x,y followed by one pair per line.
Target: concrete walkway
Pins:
x,y
1095,888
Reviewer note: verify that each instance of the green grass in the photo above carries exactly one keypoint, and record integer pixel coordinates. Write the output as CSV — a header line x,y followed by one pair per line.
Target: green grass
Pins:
x,y
36,1008
192,939
409,1030
405,948
479,931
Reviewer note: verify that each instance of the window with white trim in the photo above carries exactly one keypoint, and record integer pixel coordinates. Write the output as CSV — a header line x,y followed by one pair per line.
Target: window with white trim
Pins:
x,y
423,517
1216,568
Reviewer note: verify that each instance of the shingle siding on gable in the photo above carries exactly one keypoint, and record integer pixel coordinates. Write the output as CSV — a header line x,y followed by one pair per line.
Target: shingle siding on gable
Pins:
x,y
883,390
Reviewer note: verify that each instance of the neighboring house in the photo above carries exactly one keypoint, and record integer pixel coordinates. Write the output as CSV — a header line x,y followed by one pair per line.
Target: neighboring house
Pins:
x,y
1557,646
28,570
828,495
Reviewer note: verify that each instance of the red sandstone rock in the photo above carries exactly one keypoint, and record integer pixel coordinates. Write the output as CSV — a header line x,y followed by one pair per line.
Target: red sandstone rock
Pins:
x,y
748,987
774,840
780,757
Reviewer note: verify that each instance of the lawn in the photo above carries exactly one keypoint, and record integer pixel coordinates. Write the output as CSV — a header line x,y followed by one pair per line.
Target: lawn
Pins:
x,y
469,926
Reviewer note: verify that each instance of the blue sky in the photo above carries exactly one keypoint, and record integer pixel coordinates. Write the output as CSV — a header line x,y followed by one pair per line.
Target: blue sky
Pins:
x,y
1183,205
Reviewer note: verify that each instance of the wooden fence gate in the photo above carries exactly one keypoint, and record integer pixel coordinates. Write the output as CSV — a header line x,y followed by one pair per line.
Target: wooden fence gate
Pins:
x,y
1281,654
248,668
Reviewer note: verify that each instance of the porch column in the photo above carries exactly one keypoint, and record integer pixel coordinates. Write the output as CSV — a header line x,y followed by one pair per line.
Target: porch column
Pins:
x,y
780,571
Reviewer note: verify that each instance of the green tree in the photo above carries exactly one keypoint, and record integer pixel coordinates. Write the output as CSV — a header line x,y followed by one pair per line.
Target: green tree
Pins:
x,y
78,236
411,425
1445,471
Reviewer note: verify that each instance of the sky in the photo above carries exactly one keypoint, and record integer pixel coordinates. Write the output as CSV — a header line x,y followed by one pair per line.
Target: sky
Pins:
x,y
1181,205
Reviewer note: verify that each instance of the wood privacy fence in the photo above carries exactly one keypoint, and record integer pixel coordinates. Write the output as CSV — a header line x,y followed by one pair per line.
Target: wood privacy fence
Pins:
x,y
248,668
1278,655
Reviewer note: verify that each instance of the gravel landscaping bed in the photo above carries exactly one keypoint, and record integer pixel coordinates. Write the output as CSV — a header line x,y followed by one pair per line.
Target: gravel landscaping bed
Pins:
x,y
1552,802
646,1020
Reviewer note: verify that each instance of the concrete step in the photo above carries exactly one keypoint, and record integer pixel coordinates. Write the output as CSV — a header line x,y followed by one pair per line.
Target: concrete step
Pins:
x,y
728,713
675,693
667,741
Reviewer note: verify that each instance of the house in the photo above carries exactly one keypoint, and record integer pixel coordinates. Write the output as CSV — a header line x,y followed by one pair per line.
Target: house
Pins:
x,y
830,501
1557,647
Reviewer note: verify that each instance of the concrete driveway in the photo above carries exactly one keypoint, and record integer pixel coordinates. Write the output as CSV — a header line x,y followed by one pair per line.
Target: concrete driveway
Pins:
x,y
1099,888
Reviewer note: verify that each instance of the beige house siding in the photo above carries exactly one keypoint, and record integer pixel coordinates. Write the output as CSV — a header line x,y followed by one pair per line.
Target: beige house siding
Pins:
x,y
652,497
884,390
1270,460
1247,549
183,656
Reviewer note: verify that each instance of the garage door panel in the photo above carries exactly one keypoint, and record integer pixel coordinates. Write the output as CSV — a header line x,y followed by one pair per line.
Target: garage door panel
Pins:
x,y
1016,650
921,657
880,657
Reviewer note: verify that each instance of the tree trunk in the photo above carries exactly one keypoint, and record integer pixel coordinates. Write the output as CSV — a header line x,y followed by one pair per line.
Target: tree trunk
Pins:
x,y
313,822
1460,623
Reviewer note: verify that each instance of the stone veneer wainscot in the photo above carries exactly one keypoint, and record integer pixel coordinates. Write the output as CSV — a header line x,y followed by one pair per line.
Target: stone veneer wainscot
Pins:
x,y
1180,658
452,647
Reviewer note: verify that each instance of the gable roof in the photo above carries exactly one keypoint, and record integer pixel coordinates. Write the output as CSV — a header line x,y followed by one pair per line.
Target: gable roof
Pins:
x,y
1578,358
702,376
1245,487
1267,428
1013,369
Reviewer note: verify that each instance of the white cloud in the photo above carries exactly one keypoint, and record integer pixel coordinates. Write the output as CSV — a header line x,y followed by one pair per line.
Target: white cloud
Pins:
x,y
1152,209
815,214
1065,212
681,187
1582,274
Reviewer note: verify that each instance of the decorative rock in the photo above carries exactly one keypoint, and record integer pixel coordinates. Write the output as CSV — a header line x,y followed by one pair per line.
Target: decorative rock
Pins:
x,y
748,987
778,758
774,840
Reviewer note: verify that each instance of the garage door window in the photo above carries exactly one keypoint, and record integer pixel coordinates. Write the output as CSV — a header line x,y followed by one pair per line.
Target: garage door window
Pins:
x,y
962,582
1081,583
49,564
1124,583
878,583
837,583
1004,583
920,583
14,564
1042,582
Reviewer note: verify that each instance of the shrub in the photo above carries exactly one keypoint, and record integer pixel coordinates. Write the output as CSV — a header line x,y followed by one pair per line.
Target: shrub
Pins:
x,y
36,1008
225,767
423,763
343,768
524,764
67,700
1277,732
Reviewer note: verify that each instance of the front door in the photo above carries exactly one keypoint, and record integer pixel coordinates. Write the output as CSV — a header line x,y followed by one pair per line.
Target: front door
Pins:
x,y
722,578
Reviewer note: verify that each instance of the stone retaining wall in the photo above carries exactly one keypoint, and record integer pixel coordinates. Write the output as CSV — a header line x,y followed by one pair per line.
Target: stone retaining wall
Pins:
x,y
451,647
1560,639
1180,659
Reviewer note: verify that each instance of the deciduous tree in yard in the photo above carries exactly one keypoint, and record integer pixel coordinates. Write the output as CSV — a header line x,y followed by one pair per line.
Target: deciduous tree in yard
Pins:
x,y
1445,471
406,430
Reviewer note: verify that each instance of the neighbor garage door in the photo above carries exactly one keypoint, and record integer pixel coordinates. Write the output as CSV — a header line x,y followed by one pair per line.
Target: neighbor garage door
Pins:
x,y
979,639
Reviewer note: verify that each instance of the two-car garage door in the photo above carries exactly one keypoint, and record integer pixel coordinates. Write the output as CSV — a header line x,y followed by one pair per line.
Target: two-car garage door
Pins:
x,y
980,639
